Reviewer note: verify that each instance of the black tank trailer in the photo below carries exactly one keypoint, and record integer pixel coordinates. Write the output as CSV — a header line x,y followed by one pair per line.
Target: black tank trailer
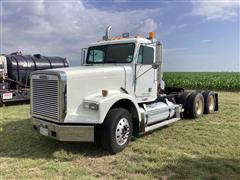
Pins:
x,y
15,70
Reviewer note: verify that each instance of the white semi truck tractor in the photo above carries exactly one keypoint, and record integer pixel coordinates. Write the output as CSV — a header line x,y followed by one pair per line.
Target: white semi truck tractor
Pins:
x,y
116,93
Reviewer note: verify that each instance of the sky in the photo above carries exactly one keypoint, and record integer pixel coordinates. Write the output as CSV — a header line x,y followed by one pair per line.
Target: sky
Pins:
x,y
196,35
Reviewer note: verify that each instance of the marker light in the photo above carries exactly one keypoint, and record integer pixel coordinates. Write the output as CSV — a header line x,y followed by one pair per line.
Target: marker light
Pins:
x,y
125,35
151,35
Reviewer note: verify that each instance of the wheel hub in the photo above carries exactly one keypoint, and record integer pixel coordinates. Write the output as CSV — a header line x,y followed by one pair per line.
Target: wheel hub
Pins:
x,y
211,103
122,131
199,106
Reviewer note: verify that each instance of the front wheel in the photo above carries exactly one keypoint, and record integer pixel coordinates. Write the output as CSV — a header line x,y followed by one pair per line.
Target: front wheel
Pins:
x,y
116,130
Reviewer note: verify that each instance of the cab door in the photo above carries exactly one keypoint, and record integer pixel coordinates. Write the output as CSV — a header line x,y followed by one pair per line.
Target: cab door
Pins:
x,y
145,81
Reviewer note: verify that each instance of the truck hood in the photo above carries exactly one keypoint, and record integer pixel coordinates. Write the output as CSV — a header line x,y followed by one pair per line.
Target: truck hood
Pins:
x,y
90,71
86,81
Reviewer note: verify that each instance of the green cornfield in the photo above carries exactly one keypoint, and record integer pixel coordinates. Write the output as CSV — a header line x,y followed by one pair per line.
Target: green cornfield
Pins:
x,y
229,81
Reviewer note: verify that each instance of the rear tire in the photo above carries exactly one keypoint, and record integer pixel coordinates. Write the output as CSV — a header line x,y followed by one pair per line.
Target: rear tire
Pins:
x,y
1,103
116,130
210,102
182,99
195,105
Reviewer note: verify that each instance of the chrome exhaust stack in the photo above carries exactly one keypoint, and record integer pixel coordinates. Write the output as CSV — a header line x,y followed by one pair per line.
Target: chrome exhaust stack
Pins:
x,y
159,61
106,37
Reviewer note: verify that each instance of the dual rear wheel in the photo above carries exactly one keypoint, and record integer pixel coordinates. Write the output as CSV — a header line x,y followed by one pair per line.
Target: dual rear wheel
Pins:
x,y
210,102
196,104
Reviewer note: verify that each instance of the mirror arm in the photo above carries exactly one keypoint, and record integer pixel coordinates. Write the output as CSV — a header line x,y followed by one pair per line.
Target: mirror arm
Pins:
x,y
156,65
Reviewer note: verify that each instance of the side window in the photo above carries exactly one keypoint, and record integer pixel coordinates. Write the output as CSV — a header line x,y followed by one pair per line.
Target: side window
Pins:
x,y
140,57
145,55
96,56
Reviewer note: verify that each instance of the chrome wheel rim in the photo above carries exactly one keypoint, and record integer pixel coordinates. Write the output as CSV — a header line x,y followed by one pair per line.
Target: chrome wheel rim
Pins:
x,y
199,106
211,103
122,131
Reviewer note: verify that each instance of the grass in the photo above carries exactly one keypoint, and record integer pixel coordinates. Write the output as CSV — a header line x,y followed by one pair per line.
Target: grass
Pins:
x,y
229,81
208,148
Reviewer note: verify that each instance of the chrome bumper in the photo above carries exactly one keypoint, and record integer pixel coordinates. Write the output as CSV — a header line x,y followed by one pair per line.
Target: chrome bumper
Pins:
x,y
64,132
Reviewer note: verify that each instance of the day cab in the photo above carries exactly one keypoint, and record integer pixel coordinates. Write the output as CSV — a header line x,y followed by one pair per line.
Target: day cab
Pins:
x,y
117,92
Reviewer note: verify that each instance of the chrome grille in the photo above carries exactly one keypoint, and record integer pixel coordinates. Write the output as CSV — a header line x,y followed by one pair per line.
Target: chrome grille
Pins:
x,y
45,98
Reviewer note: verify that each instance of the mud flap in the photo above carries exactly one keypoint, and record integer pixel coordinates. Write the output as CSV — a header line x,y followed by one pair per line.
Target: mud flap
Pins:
x,y
216,101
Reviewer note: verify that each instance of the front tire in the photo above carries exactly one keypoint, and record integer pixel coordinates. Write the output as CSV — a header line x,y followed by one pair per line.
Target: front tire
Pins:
x,y
116,130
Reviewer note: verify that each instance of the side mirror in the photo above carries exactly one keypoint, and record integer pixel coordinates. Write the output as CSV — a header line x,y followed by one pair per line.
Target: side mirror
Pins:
x,y
83,55
156,65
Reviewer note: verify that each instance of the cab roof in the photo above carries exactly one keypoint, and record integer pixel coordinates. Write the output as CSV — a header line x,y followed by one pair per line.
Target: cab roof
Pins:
x,y
119,40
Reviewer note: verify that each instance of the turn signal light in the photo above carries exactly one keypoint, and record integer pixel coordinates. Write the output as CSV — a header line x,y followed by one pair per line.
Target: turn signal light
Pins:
x,y
104,93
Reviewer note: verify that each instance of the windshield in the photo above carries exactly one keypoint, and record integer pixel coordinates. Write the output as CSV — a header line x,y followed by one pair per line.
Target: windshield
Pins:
x,y
114,53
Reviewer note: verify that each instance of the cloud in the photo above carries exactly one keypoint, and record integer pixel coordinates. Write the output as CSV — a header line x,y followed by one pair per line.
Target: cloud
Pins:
x,y
180,26
225,10
206,41
147,26
173,28
120,1
168,52
175,49
63,28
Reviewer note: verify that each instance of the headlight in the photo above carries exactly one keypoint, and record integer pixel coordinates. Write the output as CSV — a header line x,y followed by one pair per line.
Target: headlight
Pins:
x,y
91,105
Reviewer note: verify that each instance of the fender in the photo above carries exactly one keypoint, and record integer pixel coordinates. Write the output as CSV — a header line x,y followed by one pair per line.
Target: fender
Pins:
x,y
105,103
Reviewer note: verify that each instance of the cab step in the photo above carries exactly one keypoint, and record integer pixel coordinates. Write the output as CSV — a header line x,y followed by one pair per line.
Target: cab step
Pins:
x,y
161,124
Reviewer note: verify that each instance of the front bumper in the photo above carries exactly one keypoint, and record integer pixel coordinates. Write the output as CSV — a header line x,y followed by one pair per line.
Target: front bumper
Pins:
x,y
64,132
